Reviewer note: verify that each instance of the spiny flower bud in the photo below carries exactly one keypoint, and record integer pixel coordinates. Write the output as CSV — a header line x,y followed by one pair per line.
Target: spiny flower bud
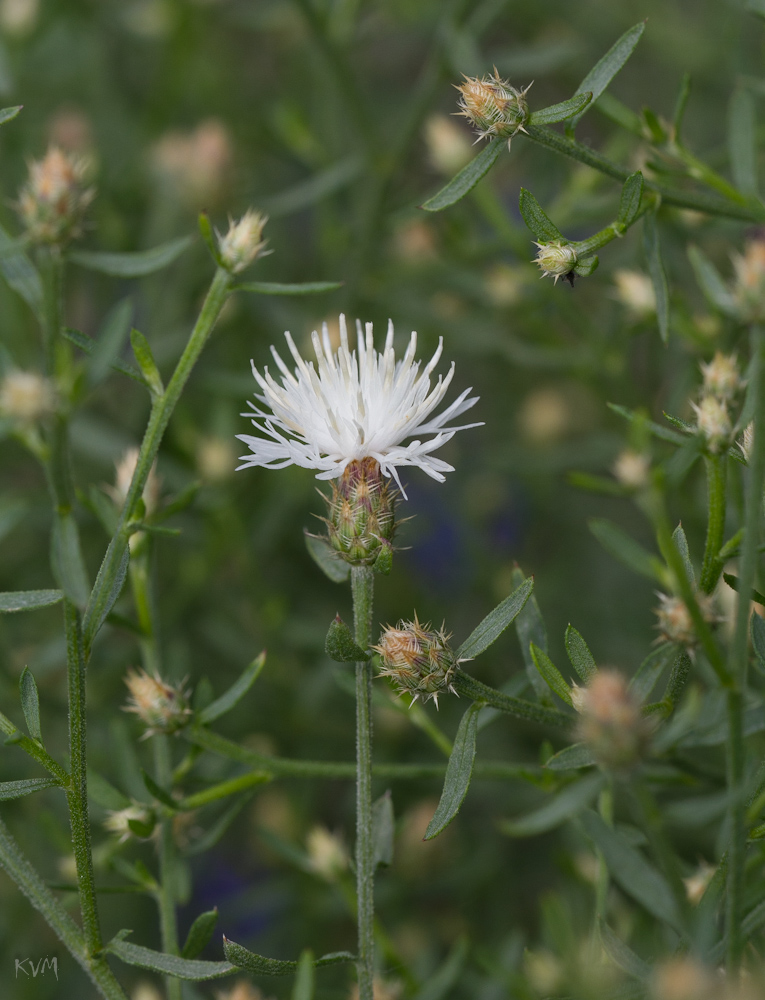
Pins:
x,y
243,242
632,469
749,283
675,623
162,707
418,659
721,376
118,820
555,259
493,106
610,721
26,397
362,515
52,203
713,422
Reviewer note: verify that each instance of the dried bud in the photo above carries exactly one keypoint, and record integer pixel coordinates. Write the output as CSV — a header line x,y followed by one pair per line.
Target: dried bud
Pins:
x,y
493,106
118,821
52,203
26,397
632,469
362,514
611,722
635,291
747,440
721,376
163,708
327,853
418,659
675,623
749,283
243,242
555,259
713,422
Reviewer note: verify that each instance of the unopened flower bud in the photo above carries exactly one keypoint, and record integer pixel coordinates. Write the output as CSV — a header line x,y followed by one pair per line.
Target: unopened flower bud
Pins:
x,y
362,514
747,440
243,242
327,853
675,623
698,883
635,291
118,821
632,469
684,978
721,376
52,203
418,659
493,106
610,719
26,397
162,707
713,422
555,259
749,283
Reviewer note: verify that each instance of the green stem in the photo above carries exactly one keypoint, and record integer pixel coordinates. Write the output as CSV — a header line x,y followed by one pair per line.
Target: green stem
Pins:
x,y
606,809
160,416
140,582
738,659
40,896
362,583
167,865
470,687
33,748
711,567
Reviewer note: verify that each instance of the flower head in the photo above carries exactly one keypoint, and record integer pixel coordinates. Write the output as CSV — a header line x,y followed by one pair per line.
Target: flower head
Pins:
x,y
359,404
674,619
749,283
162,707
493,106
632,469
243,242
555,259
26,397
418,659
119,820
53,200
610,720
713,422
721,376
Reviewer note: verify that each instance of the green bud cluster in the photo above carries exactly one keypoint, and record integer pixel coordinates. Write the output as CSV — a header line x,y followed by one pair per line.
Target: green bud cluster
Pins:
x,y
361,518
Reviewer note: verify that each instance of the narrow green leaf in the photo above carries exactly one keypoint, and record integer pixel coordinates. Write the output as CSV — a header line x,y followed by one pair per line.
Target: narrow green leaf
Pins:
x,y
758,638
624,957
179,503
519,707
88,345
606,68
495,623
211,836
132,265
682,101
276,288
631,872
28,600
584,268
561,807
710,282
104,794
579,653
635,417
570,758
651,669
624,548
66,559
235,693
681,544
30,703
170,965
17,789
8,114
742,142
143,830
146,362
732,582
530,627
200,933
260,966
382,830
458,773
159,793
446,975
97,608
21,274
206,230
536,219
681,669
223,790
340,644
656,270
325,557
629,204
318,185
110,341
467,178
550,674
305,978
575,105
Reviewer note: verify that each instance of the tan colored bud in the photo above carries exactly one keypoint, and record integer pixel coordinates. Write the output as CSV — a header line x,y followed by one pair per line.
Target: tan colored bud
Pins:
x,y
160,706
52,203
675,623
749,280
327,853
610,720
713,422
684,978
118,820
418,659
493,107
721,376
635,291
632,469
243,242
194,165
26,397
555,259
19,17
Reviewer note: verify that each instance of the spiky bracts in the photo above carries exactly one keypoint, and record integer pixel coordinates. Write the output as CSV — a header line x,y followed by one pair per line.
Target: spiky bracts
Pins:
x,y
361,520
418,659
493,106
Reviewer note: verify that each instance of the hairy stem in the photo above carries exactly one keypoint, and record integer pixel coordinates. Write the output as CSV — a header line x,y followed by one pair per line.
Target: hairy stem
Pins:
x,y
362,583
167,865
711,567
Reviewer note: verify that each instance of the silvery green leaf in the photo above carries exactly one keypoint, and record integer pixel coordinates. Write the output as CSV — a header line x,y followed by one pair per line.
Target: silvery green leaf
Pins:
x,y
8,114
258,965
571,758
467,178
537,221
110,341
28,600
340,644
30,703
66,559
382,830
560,112
562,806
105,592
495,623
305,977
681,544
171,965
325,557
21,274
656,271
25,786
146,362
277,288
710,282
629,204
742,141
200,933
132,265
550,674
530,627
88,345
622,956
459,770
603,72
651,669
235,693
579,653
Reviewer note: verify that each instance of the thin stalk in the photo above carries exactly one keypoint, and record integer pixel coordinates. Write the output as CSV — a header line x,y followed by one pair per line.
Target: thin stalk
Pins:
x,y
167,865
142,597
160,417
606,809
711,567
738,660
362,584
466,685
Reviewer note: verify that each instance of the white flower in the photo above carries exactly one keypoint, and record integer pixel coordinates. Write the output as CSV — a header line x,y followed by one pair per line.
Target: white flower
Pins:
x,y
360,404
